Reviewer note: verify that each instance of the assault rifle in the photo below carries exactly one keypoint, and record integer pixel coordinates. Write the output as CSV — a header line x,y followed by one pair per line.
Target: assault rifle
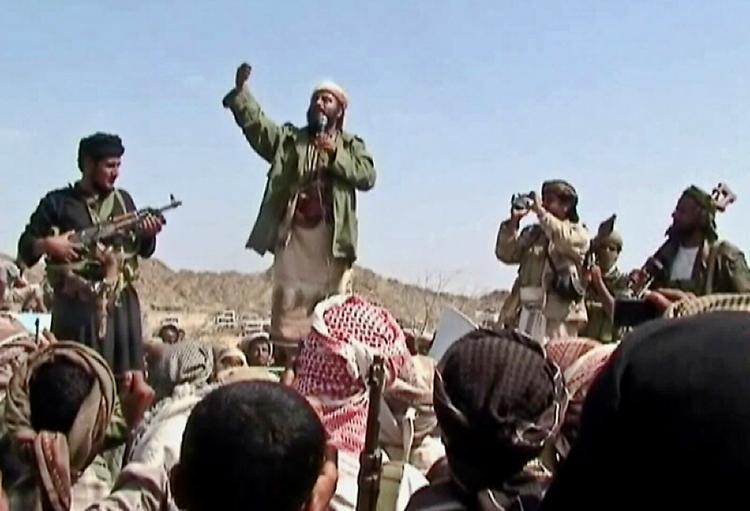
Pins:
x,y
121,224
634,310
371,459
640,280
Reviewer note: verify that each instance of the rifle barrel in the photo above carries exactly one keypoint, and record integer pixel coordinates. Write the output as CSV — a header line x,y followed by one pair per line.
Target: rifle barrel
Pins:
x,y
370,459
120,223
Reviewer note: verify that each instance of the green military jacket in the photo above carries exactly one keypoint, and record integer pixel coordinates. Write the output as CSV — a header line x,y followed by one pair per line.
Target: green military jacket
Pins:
x,y
720,267
284,147
600,325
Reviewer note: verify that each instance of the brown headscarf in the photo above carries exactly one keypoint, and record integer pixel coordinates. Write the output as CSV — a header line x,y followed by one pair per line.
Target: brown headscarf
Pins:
x,y
565,190
12,354
59,459
706,202
498,399
739,302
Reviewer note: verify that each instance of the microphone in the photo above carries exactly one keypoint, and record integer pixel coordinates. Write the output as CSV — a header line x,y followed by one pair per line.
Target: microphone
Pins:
x,y
321,124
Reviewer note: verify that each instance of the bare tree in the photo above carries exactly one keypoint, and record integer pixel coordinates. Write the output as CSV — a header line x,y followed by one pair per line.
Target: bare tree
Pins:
x,y
433,290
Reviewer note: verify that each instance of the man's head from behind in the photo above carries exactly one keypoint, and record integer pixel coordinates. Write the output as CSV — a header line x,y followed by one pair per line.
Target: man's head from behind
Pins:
x,y
56,392
59,405
171,334
498,400
248,445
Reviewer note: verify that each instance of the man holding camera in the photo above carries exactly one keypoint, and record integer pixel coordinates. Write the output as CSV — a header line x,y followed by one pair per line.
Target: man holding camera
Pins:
x,y
546,301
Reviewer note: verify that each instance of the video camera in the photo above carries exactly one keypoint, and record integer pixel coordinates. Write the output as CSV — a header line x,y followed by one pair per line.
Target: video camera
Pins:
x,y
523,201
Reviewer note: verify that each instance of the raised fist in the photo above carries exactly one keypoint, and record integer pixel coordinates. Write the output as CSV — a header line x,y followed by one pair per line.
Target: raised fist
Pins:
x,y
243,73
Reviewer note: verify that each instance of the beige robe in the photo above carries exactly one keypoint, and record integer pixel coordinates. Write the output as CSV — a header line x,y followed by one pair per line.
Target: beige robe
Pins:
x,y
304,272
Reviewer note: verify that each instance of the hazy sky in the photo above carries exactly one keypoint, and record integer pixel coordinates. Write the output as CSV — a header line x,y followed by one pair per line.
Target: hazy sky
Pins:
x,y
461,104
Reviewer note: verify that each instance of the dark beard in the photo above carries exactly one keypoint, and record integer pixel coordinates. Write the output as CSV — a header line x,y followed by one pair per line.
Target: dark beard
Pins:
x,y
314,121
90,186
102,189
680,234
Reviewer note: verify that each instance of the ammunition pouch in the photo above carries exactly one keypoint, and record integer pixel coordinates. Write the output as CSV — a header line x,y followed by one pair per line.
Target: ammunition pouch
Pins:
x,y
566,283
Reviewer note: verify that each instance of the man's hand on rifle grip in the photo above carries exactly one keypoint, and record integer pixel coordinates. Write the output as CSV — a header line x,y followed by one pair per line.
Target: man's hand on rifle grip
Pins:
x,y
151,225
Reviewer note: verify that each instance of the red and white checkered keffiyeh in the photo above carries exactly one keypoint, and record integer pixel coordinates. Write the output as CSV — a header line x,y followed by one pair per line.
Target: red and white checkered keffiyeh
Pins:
x,y
335,358
582,373
580,360
564,352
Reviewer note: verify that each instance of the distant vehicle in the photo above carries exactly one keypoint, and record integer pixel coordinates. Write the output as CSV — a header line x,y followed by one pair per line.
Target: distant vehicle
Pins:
x,y
170,320
254,325
226,320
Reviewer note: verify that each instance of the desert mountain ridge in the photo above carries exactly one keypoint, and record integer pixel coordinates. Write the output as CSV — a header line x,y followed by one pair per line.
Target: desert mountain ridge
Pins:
x,y
164,290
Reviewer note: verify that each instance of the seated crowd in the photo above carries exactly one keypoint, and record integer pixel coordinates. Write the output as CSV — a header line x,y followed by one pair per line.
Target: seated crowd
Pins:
x,y
658,421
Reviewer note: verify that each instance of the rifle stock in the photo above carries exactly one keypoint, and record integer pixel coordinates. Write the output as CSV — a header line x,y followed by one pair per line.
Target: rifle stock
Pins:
x,y
371,458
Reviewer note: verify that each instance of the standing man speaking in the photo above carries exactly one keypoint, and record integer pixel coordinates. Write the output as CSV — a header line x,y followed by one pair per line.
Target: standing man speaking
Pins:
x,y
307,218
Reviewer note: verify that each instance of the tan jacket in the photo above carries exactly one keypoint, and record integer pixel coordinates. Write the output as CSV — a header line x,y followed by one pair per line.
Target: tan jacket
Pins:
x,y
567,244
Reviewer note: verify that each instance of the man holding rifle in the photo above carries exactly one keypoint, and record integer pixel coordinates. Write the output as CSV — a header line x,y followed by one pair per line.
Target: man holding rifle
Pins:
x,y
308,217
693,261
604,283
94,301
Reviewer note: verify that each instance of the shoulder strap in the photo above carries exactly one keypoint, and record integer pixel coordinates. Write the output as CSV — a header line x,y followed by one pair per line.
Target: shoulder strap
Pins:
x,y
107,207
100,213
391,475
120,200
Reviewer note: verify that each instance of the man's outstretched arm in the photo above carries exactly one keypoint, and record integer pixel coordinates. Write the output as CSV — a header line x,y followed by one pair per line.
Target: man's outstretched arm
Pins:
x,y
261,132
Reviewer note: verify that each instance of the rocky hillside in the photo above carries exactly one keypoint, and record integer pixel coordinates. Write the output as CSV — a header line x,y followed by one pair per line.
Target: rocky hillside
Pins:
x,y
164,289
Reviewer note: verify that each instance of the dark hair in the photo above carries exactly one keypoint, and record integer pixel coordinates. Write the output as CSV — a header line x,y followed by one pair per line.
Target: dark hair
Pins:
x,y
56,392
99,146
170,328
566,193
256,444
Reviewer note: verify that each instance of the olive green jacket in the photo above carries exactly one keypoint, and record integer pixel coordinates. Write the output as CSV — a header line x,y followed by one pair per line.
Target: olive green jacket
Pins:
x,y
284,147
720,267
